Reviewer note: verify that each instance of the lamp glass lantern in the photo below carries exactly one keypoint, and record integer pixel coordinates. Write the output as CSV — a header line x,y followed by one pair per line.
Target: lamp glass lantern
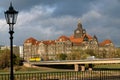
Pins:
x,y
11,15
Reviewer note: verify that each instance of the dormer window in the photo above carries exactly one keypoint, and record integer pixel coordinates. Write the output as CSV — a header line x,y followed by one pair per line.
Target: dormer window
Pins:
x,y
84,31
85,38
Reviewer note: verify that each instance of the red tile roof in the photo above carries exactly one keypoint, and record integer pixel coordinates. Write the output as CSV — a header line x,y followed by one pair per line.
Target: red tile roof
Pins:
x,y
79,40
49,42
63,38
31,40
105,42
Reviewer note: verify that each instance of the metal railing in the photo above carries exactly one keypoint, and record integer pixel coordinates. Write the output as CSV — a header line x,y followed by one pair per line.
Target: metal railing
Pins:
x,y
67,75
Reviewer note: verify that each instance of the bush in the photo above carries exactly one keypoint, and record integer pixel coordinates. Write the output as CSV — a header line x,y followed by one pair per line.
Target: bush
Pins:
x,y
61,56
5,59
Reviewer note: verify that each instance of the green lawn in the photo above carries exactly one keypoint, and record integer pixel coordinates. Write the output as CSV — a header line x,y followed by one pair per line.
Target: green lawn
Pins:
x,y
60,68
107,66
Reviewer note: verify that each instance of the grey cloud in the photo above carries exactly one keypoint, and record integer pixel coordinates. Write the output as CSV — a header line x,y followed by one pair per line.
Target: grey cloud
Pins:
x,y
74,8
109,8
100,17
27,4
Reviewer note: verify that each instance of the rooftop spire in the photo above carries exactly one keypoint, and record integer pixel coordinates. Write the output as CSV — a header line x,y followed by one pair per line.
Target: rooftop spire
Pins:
x,y
79,21
79,24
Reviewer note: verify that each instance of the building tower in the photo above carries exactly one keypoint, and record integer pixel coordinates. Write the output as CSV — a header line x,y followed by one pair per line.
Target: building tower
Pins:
x,y
78,33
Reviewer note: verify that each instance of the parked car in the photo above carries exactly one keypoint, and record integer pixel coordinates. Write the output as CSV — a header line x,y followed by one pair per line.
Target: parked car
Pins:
x,y
91,57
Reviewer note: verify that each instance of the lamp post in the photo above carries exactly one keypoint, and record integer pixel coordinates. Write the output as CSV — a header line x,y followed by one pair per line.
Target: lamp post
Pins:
x,y
11,17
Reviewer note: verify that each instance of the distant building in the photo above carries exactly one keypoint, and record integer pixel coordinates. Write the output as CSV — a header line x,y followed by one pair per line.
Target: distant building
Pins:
x,y
18,50
64,44
21,51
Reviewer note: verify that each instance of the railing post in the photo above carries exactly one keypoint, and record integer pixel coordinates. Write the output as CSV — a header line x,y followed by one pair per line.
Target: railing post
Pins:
x,y
82,66
90,67
76,67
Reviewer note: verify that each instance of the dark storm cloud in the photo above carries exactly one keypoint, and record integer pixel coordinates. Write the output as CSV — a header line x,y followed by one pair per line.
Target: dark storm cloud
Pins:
x,y
63,7
74,8
28,4
110,8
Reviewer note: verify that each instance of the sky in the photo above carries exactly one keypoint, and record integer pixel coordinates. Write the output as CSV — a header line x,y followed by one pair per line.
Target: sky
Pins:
x,y
49,19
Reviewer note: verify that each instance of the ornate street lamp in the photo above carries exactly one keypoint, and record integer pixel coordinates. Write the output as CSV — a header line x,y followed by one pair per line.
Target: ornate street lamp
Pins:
x,y
11,17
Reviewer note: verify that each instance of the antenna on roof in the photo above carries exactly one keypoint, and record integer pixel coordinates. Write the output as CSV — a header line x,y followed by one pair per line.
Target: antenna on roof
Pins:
x,y
79,21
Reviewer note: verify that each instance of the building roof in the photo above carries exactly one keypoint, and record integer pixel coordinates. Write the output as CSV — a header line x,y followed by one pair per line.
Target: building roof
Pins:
x,y
79,40
105,42
31,40
49,42
63,38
